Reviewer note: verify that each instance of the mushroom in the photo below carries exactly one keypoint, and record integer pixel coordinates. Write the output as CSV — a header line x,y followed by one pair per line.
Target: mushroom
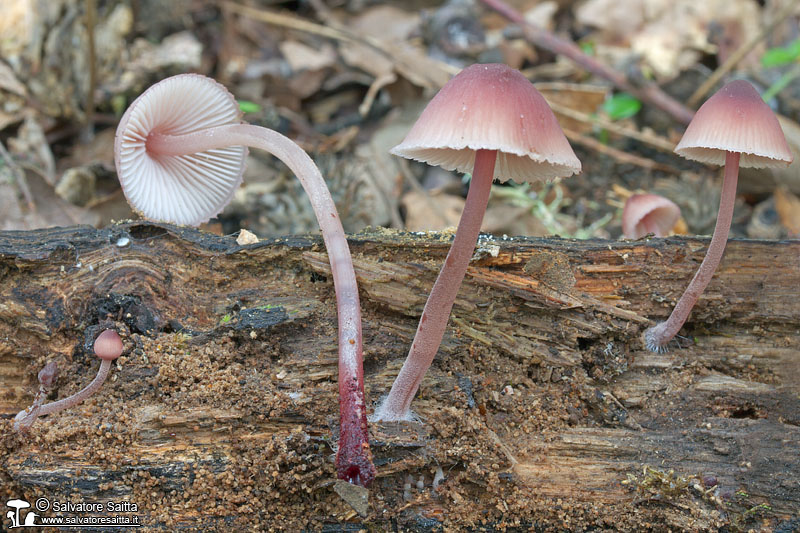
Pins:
x,y
735,128
107,346
488,120
180,152
648,213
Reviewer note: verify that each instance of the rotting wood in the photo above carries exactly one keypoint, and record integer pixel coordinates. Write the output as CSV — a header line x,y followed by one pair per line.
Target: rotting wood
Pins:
x,y
542,392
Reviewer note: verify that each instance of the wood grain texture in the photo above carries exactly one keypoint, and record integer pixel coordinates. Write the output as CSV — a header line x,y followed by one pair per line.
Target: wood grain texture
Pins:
x,y
541,409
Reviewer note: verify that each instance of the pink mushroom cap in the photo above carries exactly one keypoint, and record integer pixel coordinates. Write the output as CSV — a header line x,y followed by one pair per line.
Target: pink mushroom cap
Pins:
x,y
187,189
492,107
108,345
648,213
736,119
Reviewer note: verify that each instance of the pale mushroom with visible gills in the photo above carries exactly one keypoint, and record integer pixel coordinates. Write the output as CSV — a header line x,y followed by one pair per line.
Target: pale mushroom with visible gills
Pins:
x,y
735,128
180,152
490,121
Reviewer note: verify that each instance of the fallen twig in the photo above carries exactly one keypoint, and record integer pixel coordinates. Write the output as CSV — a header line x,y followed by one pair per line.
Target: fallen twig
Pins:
x,y
619,155
649,93
655,141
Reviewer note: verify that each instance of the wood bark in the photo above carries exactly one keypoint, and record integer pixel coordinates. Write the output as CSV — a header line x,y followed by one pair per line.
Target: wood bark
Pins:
x,y
542,409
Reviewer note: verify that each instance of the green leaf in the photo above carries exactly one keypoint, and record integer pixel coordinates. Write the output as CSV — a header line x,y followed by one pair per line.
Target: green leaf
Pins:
x,y
249,107
119,103
621,105
781,55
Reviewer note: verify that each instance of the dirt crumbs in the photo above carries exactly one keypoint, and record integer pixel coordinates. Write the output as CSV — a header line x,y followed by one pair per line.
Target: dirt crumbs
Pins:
x,y
233,431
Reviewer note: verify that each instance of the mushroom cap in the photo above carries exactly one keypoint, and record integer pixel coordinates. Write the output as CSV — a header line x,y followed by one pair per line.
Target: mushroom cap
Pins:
x,y
648,213
187,189
492,107
108,345
736,119
48,374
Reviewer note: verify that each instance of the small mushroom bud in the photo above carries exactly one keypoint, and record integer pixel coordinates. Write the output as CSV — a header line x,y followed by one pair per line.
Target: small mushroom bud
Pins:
x,y
47,376
649,213
108,345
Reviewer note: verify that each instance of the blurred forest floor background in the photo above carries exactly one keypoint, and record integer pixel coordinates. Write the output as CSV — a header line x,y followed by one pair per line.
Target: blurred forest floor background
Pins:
x,y
347,78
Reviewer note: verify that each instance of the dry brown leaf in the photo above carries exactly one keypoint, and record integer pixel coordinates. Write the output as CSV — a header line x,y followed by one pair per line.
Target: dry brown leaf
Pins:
x,y
45,45
6,119
99,150
307,82
9,81
386,22
366,58
378,23
180,49
583,98
614,17
31,147
16,26
541,14
302,57
421,215
669,35
504,219
384,31
49,211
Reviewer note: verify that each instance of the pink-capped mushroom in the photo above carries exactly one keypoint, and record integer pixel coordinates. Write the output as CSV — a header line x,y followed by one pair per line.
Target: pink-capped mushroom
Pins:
x,y
180,151
735,128
107,346
648,213
490,121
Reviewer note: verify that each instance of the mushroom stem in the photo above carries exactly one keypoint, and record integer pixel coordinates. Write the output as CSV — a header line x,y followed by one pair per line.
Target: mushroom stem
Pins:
x,y
27,417
657,337
353,460
78,397
430,331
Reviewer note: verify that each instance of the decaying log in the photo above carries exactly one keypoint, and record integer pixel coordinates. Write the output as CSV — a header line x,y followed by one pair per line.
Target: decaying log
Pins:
x,y
542,410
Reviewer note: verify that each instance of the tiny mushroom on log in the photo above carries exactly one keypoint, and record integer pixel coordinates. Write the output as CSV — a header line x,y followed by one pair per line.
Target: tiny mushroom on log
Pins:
x,y
180,152
735,128
648,213
488,120
107,346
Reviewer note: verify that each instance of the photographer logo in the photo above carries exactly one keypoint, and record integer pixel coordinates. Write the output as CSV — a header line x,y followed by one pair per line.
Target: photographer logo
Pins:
x,y
65,514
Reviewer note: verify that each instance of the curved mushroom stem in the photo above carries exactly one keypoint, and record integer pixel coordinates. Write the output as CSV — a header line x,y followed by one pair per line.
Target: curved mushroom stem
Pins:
x,y
353,459
27,417
657,337
396,406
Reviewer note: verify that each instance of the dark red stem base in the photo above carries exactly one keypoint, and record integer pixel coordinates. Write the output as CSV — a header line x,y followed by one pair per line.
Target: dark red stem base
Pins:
x,y
353,458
